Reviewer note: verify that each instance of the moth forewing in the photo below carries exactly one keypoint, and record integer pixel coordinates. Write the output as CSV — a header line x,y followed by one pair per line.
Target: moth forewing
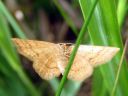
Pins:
x,y
97,55
32,48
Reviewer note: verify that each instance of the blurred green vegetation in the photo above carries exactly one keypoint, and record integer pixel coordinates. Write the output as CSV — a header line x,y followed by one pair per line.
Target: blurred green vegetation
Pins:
x,y
60,21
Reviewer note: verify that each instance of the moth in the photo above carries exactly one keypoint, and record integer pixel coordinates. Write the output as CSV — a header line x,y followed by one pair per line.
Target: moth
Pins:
x,y
50,59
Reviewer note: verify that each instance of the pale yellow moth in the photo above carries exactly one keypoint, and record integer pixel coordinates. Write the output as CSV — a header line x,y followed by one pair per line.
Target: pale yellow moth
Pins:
x,y
50,60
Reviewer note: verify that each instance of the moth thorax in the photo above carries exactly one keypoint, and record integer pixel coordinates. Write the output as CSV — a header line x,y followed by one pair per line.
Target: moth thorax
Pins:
x,y
66,48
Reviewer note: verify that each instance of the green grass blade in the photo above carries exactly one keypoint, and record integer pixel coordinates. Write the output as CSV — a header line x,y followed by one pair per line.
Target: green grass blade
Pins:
x,y
121,11
11,20
78,41
104,30
71,88
10,55
119,68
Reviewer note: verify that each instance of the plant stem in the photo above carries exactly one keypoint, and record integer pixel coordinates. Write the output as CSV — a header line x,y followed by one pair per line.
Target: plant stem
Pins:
x,y
12,21
119,68
78,41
